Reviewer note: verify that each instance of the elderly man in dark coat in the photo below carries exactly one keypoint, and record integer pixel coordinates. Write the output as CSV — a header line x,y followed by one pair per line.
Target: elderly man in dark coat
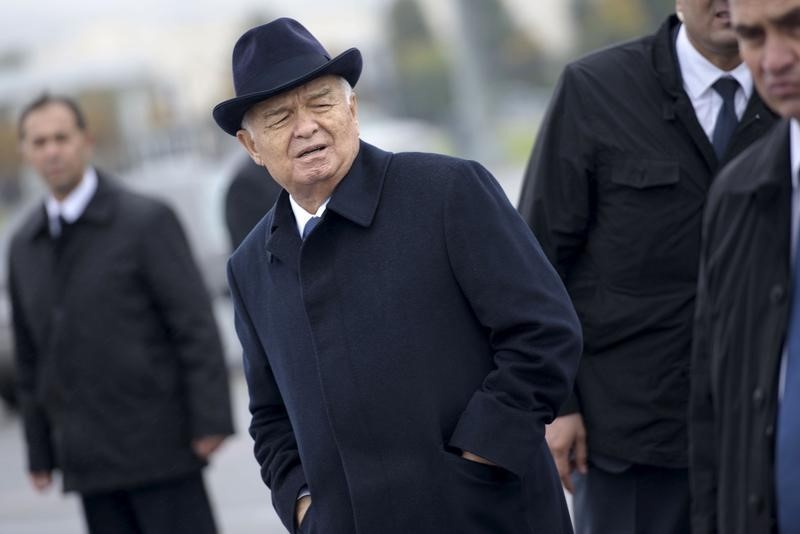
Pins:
x,y
405,339
122,380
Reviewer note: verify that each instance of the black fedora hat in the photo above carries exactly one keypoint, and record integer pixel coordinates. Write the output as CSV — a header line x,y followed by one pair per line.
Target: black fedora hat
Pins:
x,y
273,58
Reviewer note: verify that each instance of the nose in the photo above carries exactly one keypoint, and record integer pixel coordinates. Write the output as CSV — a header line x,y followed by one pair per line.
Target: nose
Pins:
x,y
305,123
779,56
52,150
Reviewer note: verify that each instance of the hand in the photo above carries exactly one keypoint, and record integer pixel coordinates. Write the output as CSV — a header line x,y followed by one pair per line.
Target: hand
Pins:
x,y
41,480
475,458
203,447
567,435
300,509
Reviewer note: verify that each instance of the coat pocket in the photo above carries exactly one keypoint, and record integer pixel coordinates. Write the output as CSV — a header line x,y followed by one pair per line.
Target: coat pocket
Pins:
x,y
483,498
645,173
307,526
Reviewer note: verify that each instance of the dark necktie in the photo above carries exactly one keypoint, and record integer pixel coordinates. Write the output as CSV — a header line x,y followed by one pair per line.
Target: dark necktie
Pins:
x,y
56,225
726,119
310,225
787,445
63,229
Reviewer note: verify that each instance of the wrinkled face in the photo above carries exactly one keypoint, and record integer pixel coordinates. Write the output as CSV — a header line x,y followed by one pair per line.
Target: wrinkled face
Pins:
x,y
54,145
769,40
708,25
307,137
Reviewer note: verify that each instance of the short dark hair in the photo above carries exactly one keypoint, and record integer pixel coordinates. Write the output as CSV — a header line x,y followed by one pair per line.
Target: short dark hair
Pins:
x,y
46,99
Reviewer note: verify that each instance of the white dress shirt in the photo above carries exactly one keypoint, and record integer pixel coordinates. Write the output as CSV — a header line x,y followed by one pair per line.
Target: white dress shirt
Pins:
x,y
301,216
73,205
699,75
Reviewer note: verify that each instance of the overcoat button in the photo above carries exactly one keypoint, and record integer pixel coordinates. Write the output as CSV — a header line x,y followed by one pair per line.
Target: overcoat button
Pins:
x,y
777,293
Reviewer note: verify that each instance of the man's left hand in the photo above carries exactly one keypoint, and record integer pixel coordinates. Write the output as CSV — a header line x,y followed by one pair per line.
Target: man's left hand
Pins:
x,y
203,447
475,458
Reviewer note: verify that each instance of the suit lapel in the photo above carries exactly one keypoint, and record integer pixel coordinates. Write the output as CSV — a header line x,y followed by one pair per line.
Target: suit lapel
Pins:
x,y
282,240
677,104
685,112
756,120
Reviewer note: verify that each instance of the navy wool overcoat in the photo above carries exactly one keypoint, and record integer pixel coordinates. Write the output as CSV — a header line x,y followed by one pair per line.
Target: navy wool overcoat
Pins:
x,y
418,319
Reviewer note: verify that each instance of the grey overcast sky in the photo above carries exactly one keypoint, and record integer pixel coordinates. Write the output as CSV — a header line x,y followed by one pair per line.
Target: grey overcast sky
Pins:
x,y
24,21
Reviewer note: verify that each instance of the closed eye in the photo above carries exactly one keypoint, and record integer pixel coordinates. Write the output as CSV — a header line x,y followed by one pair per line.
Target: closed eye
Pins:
x,y
278,120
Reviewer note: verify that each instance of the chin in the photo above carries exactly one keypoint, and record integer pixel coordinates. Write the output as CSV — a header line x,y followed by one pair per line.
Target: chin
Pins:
x,y
789,111
317,174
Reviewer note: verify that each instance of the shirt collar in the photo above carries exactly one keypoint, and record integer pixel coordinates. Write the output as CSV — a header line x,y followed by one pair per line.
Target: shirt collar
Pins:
x,y
699,74
74,204
301,216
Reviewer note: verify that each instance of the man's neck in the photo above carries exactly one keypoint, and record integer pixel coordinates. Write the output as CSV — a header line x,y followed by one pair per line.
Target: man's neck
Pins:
x,y
726,60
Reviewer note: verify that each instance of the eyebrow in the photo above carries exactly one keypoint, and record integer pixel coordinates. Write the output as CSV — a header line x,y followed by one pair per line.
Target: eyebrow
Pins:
x,y
785,20
790,18
282,108
324,91
271,112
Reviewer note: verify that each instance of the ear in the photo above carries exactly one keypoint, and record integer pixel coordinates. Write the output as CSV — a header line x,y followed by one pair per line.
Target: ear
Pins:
x,y
89,145
679,9
247,141
353,105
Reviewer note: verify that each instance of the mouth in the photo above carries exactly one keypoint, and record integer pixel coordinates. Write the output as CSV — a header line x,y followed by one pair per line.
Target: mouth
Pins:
x,y
782,90
53,171
311,150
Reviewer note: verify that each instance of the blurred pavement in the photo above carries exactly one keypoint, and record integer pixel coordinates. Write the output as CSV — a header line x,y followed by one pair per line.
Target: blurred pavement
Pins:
x,y
240,499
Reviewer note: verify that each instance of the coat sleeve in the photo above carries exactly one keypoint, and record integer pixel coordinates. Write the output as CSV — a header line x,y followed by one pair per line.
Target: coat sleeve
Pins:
x,y
533,330
36,424
182,301
557,189
702,438
275,445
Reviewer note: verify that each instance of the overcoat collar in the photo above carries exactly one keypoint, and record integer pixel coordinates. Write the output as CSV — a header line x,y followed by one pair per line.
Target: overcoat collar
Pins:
x,y
356,199
100,210
769,182
665,60
774,159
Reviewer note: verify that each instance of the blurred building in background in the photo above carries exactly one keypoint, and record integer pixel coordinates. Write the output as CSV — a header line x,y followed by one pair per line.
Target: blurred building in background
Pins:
x,y
465,77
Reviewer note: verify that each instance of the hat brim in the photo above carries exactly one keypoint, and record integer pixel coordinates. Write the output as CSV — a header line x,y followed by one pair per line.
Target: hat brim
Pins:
x,y
228,114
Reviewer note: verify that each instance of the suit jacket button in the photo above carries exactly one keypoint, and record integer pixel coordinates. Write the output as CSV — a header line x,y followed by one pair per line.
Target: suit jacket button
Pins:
x,y
769,431
755,501
758,397
777,293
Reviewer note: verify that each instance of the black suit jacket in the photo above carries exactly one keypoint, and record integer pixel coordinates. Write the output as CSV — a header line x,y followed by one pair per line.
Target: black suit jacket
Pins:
x,y
615,191
250,195
119,362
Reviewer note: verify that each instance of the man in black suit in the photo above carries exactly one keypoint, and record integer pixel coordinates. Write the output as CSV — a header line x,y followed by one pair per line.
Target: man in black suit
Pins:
x,y
122,381
745,409
615,191
250,195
